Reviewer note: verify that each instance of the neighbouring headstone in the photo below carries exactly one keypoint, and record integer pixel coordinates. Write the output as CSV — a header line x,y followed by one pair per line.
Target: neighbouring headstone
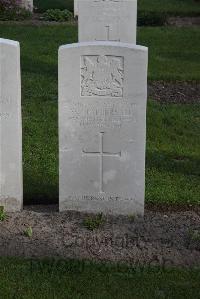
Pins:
x,y
102,127
28,4
75,8
107,20
10,127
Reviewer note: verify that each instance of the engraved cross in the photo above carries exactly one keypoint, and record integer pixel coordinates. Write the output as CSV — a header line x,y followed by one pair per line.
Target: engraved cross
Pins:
x,y
101,154
108,36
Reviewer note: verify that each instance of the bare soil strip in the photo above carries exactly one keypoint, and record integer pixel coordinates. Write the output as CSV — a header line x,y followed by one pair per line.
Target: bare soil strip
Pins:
x,y
184,21
182,92
36,20
170,238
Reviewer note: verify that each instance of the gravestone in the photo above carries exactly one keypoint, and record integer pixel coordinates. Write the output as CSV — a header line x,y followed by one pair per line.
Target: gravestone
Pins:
x,y
28,4
75,8
107,20
102,127
10,126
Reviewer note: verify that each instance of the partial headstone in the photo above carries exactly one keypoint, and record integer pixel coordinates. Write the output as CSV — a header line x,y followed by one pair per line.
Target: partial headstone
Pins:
x,y
10,127
28,4
107,20
102,127
75,8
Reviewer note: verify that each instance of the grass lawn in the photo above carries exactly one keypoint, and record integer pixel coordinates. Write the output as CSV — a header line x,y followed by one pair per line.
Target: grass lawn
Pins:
x,y
172,171
26,279
170,7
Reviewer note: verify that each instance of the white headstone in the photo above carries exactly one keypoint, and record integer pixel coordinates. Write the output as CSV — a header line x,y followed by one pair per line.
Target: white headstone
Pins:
x,y
75,8
102,127
107,20
28,4
10,126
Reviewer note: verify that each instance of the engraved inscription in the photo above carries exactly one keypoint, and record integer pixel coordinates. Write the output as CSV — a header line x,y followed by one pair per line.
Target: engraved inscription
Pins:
x,y
108,36
5,115
102,76
102,198
4,107
101,153
5,100
102,115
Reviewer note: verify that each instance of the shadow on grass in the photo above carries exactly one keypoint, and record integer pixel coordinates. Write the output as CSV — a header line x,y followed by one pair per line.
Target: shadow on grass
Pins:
x,y
172,162
43,193
34,65
43,188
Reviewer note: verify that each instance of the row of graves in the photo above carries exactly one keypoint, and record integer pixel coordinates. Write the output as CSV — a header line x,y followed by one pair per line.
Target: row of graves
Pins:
x,y
102,114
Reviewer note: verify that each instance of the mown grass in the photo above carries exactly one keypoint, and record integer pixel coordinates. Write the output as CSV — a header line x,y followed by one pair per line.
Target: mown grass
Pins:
x,y
170,7
172,172
173,52
51,279
173,163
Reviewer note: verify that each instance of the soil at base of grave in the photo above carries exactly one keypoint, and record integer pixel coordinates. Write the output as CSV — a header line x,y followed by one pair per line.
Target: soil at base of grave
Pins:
x,y
183,21
37,20
177,92
170,238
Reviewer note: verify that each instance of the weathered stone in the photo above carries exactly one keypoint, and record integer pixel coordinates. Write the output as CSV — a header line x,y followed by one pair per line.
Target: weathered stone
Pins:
x,y
28,4
75,8
10,126
102,127
110,20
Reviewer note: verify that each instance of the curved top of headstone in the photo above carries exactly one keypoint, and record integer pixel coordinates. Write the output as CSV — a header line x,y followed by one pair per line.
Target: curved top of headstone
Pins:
x,y
9,42
111,44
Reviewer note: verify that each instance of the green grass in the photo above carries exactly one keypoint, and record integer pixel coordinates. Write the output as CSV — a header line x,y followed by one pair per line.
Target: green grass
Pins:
x,y
172,130
173,163
170,7
173,53
50,279
94,222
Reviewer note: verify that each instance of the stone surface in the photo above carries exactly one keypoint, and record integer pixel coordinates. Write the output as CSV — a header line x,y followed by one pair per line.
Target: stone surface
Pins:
x,y
10,126
75,8
102,127
28,4
110,20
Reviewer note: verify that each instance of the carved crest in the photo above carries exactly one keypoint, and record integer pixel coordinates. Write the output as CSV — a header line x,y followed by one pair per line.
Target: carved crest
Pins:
x,y
102,76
